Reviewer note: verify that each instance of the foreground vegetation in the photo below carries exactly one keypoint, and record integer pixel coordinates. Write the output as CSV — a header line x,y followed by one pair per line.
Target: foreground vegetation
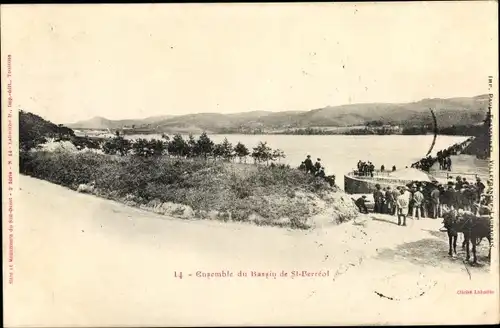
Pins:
x,y
186,178
267,195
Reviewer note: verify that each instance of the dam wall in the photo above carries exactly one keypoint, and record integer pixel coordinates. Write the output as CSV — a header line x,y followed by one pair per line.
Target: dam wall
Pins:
x,y
366,185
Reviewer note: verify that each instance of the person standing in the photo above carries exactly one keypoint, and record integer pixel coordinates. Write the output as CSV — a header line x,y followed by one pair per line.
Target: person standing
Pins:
x,y
409,198
448,163
435,194
458,183
395,194
402,206
418,199
389,201
372,169
378,198
308,164
479,187
449,198
468,195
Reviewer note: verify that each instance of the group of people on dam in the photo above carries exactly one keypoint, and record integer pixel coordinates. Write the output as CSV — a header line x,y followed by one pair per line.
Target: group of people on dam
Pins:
x,y
443,157
368,168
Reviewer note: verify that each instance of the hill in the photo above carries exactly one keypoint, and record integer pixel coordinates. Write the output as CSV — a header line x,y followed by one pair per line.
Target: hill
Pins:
x,y
34,130
451,111
101,123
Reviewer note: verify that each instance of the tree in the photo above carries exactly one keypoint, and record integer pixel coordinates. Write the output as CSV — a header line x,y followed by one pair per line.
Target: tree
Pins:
x,y
156,147
192,146
140,147
178,146
117,145
262,153
227,150
218,151
144,147
278,154
241,151
205,145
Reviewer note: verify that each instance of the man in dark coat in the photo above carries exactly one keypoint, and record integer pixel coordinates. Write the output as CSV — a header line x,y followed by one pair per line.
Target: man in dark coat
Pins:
x,y
434,197
309,164
389,201
378,198
450,198
395,194
479,187
361,204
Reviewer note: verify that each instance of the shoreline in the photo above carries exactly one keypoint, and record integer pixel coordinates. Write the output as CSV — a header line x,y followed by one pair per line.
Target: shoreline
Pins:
x,y
101,134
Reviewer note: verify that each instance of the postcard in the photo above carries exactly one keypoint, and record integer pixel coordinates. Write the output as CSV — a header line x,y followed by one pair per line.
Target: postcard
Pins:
x,y
250,164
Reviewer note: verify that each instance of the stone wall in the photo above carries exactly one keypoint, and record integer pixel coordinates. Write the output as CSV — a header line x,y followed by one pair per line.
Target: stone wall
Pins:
x,y
355,185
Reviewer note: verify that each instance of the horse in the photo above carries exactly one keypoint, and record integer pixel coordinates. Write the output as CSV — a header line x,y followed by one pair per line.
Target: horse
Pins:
x,y
474,229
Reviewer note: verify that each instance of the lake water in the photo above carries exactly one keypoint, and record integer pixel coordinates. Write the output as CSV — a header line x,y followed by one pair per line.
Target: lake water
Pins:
x,y
340,153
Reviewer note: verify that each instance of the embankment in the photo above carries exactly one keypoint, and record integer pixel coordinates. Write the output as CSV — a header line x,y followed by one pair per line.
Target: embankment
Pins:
x,y
197,188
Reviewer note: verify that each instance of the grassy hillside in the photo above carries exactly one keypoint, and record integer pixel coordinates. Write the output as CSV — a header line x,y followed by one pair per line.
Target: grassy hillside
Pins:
x,y
34,130
196,188
453,111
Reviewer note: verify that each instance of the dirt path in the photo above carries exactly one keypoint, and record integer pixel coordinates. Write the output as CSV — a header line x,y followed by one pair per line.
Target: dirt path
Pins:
x,y
81,259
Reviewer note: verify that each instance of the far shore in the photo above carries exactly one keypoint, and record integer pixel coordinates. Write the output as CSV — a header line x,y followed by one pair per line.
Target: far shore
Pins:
x,y
106,134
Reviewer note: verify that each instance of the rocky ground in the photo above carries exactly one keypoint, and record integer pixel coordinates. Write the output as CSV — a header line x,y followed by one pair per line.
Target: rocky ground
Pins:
x,y
84,260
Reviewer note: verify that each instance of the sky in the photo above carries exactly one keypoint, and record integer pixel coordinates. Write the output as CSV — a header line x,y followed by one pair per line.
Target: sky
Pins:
x,y
74,62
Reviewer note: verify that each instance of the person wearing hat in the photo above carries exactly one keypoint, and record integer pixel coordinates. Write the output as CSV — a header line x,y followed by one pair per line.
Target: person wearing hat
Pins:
x,y
479,187
302,166
378,198
361,204
409,195
308,164
389,200
418,199
317,165
395,194
435,195
402,206
458,183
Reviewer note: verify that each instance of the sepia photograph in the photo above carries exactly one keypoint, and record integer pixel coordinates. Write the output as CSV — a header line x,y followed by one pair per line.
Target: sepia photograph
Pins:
x,y
243,164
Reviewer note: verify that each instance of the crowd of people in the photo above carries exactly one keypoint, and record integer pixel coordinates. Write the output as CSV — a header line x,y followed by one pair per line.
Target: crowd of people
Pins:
x,y
442,157
367,168
317,169
430,199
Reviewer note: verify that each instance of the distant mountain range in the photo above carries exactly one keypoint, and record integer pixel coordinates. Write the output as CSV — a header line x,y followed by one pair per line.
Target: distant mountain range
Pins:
x,y
451,111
